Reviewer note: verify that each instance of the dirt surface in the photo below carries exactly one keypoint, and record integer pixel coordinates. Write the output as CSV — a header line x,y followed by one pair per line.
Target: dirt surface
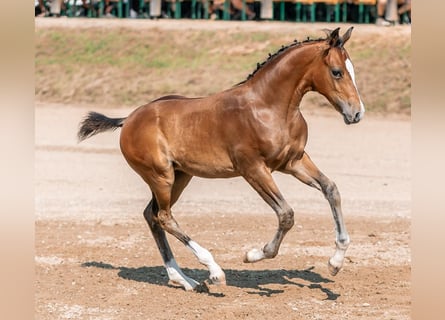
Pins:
x,y
96,259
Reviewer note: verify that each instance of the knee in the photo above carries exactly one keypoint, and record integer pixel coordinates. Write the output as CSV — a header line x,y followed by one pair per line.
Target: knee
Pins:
x,y
330,190
286,219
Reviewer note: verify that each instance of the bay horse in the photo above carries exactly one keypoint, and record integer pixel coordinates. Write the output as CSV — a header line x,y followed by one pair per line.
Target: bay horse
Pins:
x,y
250,130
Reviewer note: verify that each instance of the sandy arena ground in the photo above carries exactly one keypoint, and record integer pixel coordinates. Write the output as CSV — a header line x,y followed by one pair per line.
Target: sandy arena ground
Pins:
x,y
96,259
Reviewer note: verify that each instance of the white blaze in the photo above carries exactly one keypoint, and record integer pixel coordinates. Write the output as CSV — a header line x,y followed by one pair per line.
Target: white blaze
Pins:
x,y
350,69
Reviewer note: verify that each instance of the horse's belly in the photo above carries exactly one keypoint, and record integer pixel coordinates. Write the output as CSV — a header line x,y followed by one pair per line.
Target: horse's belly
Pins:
x,y
206,171
205,166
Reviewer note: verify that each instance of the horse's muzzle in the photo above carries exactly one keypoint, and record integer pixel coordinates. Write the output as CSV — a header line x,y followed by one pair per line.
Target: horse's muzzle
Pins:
x,y
354,118
351,114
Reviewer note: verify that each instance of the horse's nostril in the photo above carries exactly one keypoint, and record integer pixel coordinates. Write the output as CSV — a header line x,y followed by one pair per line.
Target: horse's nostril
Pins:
x,y
357,117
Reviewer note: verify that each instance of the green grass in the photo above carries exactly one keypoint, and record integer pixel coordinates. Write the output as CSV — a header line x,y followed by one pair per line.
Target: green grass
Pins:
x,y
119,67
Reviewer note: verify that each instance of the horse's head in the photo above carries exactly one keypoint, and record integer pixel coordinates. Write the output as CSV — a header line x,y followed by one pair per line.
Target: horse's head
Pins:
x,y
335,79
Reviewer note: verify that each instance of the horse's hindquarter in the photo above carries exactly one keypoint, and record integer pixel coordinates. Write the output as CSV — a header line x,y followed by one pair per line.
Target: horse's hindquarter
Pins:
x,y
186,132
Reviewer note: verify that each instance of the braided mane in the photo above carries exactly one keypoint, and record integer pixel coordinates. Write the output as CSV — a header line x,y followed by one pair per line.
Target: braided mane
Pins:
x,y
277,53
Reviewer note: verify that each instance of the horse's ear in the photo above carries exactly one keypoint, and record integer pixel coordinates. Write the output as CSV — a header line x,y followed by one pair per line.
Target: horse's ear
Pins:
x,y
346,36
334,38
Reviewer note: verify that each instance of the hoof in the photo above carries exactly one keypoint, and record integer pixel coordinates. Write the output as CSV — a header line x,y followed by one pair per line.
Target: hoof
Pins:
x,y
219,281
185,287
253,255
333,270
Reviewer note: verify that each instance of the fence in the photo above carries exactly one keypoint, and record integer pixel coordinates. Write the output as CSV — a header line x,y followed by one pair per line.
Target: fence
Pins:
x,y
357,11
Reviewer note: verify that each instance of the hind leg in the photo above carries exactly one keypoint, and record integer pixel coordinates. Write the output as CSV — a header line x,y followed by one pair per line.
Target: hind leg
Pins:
x,y
166,196
175,274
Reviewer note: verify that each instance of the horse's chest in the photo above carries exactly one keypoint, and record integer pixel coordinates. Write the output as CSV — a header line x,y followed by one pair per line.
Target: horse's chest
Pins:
x,y
279,155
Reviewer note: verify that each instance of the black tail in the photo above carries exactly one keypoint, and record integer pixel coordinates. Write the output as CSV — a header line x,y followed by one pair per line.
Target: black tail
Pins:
x,y
95,123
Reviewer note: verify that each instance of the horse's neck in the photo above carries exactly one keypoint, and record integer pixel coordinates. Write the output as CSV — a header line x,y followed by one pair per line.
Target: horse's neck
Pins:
x,y
282,83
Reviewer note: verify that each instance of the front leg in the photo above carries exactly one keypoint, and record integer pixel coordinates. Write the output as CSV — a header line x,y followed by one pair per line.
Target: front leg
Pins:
x,y
260,178
306,171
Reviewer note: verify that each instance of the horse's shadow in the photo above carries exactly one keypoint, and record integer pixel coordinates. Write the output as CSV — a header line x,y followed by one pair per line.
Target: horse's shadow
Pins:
x,y
250,279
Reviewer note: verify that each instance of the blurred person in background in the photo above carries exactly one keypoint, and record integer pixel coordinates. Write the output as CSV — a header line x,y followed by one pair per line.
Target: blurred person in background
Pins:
x,y
404,12
235,9
56,6
39,8
403,6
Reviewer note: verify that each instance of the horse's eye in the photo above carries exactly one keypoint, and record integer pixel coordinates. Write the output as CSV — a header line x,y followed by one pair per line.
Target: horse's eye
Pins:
x,y
336,73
